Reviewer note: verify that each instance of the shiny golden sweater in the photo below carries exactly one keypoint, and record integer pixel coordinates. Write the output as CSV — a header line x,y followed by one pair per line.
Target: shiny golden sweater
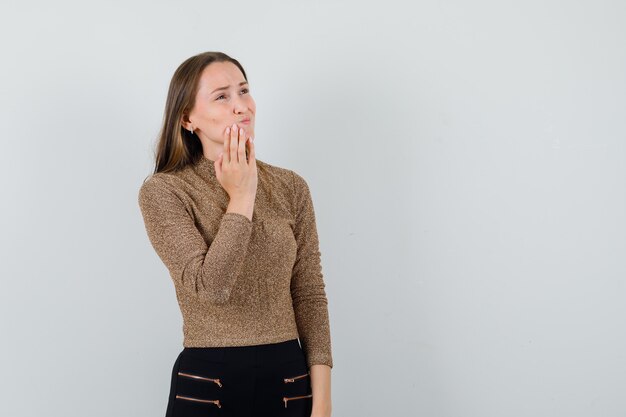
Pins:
x,y
240,282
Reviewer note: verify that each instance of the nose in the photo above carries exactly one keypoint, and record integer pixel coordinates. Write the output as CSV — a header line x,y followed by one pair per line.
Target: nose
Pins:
x,y
240,106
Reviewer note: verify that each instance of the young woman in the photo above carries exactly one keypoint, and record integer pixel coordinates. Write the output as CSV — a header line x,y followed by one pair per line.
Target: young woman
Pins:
x,y
239,239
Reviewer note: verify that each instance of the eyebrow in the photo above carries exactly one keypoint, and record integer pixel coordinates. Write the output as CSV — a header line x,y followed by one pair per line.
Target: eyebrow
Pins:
x,y
225,88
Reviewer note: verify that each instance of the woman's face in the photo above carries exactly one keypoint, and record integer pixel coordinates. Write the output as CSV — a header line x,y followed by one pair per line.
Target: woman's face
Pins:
x,y
221,100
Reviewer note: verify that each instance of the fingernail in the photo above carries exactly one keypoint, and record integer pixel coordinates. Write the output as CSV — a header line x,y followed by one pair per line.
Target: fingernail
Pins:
x,y
227,130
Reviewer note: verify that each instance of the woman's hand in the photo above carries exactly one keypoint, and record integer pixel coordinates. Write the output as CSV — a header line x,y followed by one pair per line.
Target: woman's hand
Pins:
x,y
320,387
237,175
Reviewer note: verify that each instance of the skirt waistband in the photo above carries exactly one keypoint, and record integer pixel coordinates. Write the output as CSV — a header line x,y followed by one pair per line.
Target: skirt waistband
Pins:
x,y
271,352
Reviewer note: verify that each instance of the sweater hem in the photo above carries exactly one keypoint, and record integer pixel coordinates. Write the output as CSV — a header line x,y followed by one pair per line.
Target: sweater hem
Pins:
x,y
247,341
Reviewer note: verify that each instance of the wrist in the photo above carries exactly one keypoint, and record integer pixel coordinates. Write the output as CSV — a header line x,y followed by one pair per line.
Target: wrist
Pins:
x,y
241,207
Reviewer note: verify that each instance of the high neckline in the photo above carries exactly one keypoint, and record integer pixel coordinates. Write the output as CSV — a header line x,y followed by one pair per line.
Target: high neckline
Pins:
x,y
206,166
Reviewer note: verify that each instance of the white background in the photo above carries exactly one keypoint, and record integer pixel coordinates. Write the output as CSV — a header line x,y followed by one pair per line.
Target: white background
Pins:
x,y
467,165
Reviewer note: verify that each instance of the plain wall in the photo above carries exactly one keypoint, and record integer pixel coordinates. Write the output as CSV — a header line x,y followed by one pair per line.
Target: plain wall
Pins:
x,y
467,166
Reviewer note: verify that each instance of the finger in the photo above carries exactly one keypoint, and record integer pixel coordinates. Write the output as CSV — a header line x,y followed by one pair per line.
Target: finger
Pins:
x,y
225,153
234,133
252,153
242,145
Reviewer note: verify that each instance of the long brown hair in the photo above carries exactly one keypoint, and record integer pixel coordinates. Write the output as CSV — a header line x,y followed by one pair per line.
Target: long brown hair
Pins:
x,y
176,146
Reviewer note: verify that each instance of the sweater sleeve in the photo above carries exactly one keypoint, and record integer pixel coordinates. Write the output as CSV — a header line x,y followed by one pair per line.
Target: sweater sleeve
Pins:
x,y
206,271
307,285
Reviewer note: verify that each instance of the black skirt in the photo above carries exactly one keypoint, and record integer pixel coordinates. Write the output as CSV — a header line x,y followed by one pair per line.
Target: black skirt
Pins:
x,y
270,380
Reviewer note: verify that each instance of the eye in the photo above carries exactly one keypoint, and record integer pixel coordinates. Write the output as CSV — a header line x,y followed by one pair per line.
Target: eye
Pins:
x,y
245,90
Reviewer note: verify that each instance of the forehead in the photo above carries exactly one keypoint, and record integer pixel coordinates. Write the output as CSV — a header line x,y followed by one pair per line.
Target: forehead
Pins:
x,y
220,74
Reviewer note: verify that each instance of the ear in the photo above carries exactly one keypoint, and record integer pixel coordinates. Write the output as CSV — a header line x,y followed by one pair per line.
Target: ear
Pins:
x,y
185,122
